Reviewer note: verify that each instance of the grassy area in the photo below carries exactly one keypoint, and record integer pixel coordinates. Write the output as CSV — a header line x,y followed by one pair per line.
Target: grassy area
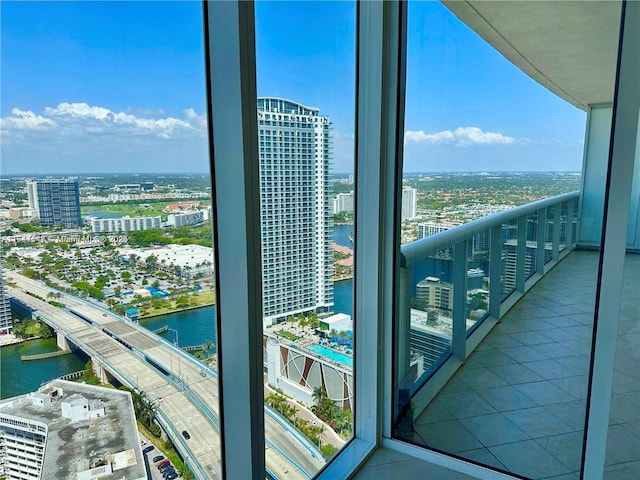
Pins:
x,y
196,300
133,209
288,335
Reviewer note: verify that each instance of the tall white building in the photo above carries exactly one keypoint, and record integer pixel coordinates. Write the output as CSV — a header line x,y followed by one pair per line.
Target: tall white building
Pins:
x,y
295,150
6,320
409,202
32,195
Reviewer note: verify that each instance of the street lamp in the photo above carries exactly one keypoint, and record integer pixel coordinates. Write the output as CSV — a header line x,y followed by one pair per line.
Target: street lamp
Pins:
x,y
176,343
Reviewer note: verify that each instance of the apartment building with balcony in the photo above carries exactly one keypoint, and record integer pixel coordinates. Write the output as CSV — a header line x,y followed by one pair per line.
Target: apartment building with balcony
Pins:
x,y
295,153
57,200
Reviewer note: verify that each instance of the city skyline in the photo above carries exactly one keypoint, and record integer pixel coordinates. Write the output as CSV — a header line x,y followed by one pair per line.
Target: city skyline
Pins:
x,y
89,104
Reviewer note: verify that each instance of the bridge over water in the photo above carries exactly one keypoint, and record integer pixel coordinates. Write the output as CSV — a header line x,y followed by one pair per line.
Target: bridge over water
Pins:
x,y
185,398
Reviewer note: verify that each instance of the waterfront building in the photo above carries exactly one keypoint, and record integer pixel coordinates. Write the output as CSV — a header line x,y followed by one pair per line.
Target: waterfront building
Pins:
x,y
409,203
343,202
125,224
6,319
295,151
69,430
57,200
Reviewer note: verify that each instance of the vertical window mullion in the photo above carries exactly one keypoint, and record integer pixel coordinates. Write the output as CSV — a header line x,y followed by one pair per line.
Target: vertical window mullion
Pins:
x,y
622,151
233,138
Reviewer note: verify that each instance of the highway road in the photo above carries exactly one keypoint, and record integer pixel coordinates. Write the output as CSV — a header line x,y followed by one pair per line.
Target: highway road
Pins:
x,y
186,398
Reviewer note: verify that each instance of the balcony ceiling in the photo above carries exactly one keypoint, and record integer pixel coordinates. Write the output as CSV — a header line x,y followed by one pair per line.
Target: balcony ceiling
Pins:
x,y
570,47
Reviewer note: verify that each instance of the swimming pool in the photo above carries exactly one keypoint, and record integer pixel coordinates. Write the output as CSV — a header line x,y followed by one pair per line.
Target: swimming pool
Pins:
x,y
332,354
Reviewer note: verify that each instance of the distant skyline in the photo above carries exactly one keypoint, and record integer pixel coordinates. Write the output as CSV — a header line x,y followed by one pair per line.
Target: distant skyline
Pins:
x,y
107,87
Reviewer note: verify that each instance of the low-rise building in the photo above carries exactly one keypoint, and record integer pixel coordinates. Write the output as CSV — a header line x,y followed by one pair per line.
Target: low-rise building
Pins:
x,y
124,224
185,219
70,431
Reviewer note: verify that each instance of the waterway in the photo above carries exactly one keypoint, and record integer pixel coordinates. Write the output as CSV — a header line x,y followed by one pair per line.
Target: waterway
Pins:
x,y
18,377
194,327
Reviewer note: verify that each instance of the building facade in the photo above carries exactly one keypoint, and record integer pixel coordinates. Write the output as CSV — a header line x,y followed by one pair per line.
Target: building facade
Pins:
x,y
295,150
59,432
409,203
343,202
125,224
57,200
435,293
185,219
429,229
6,319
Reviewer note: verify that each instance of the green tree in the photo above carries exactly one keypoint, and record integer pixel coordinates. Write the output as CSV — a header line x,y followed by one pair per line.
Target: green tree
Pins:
x,y
318,395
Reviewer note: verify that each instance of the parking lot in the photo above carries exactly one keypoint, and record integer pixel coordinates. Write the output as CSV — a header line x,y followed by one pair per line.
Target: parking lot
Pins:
x,y
150,455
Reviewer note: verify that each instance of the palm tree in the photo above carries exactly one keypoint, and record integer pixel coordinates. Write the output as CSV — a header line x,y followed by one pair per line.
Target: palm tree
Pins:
x,y
342,335
318,394
207,346
333,333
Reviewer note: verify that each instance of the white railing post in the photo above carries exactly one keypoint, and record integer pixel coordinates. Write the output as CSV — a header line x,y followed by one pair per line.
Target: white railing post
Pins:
x,y
495,271
568,241
521,254
557,218
459,334
541,237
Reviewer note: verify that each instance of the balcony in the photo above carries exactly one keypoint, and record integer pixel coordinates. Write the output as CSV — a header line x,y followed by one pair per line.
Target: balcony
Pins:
x,y
505,385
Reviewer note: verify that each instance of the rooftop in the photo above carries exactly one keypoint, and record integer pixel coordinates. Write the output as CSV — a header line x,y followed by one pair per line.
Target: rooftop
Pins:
x,y
76,446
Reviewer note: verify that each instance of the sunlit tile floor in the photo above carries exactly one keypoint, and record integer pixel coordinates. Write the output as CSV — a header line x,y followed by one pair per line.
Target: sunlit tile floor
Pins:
x,y
519,401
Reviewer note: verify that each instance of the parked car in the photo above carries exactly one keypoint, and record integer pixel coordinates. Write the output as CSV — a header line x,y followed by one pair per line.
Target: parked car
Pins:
x,y
158,458
148,449
163,464
186,435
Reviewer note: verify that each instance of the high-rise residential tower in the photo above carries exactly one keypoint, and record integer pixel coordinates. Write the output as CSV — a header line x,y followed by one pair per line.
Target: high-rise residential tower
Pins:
x,y
57,200
295,150
6,320
409,202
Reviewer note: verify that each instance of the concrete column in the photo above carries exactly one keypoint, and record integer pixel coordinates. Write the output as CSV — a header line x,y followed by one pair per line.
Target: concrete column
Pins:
x,y
61,341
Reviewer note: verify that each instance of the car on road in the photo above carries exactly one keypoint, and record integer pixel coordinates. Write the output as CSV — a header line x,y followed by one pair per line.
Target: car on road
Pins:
x,y
148,449
158,458
186,435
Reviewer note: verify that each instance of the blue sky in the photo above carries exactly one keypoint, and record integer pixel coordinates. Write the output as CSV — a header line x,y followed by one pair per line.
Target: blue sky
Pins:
x,y
90,87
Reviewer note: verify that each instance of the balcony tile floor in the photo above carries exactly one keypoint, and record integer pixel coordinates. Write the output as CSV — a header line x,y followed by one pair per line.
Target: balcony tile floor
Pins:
x,y
518,403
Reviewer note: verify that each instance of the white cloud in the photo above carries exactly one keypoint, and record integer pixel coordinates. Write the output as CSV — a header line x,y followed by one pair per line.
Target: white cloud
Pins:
x,y
460,137
80,120
25,120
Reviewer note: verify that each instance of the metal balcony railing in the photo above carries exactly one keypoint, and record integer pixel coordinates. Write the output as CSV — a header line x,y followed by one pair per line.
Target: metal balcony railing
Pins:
x,y
455,285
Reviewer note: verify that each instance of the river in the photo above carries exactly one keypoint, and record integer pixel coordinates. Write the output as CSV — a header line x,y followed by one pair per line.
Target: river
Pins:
x,y
18,377
194,327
